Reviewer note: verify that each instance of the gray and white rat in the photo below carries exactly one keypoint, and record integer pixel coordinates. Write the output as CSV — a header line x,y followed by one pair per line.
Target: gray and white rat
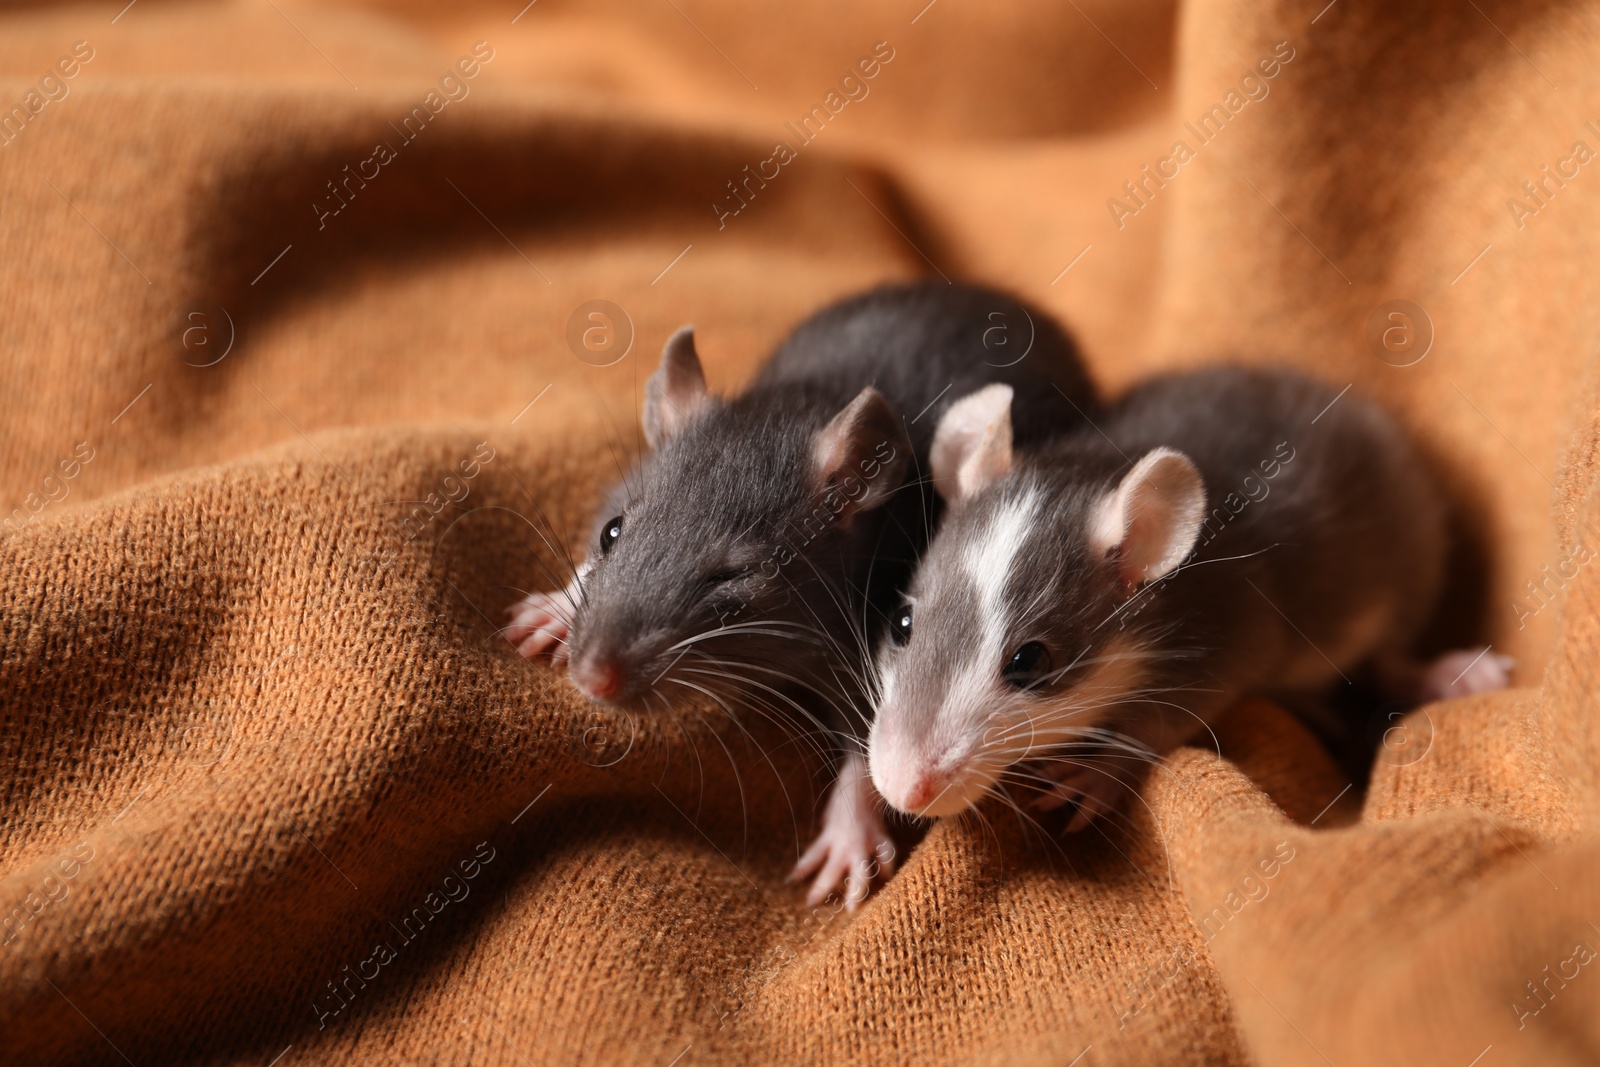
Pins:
x,y
754,554
1086,608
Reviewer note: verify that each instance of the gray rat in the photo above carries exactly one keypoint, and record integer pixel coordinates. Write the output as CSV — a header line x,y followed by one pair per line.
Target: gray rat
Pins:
x,y
1088,607
753,555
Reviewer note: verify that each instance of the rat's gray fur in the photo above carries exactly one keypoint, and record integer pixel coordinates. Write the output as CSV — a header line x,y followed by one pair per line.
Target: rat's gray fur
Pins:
x,y
698,591
1340,557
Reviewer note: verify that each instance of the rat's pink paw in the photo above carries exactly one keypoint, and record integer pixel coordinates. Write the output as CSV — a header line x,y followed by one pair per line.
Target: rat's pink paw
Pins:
x,y
854,844
1459,674
539,625
1095,789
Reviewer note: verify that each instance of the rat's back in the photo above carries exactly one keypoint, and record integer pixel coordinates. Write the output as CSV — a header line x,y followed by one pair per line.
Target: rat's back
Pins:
x,y
924,345
1313,494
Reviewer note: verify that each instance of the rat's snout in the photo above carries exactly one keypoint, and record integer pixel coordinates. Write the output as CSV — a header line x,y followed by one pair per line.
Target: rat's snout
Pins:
x,y
615,668
924,787
597,674
914,778
927,786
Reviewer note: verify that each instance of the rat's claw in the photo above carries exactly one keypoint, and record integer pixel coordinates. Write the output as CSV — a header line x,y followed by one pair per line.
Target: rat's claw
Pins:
x,y
538,626
854,846
1094,789
822,886
809,862
1091,806
538,643
826,859
1462,673
858,883
857,875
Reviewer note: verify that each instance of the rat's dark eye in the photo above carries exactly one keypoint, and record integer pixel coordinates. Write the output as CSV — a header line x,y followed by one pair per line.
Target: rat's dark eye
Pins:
x,y
1027,665
609,534
900,625
723,577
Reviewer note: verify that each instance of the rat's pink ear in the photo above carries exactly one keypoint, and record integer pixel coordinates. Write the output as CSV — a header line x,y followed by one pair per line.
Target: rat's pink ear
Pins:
x,y
676,392
860,456
1150,521
972,446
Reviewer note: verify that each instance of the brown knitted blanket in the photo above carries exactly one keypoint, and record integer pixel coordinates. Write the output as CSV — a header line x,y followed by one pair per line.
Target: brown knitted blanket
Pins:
x,y
302,383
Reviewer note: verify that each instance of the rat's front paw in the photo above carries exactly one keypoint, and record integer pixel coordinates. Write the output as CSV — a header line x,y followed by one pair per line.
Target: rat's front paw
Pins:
x,y
858,853
1459,674
854,844
540,625
1093,788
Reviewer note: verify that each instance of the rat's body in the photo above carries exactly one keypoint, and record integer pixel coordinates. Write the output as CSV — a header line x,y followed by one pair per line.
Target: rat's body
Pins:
x,y
755,553
1097,603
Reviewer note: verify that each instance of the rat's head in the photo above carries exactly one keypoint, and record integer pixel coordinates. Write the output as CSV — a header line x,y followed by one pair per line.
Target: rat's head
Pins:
x,y
1010,642
713,566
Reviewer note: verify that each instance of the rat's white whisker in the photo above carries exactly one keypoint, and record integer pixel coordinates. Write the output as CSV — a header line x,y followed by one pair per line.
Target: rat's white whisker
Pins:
x,y
733,764
739,680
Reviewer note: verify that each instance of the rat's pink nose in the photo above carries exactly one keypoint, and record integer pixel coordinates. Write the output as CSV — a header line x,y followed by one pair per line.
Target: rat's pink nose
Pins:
x,y
926,787
596,677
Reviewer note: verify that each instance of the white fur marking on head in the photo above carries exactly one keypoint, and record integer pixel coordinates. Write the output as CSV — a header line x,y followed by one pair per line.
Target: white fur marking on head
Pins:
x,y
886,676
989,560
975,697
972,446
